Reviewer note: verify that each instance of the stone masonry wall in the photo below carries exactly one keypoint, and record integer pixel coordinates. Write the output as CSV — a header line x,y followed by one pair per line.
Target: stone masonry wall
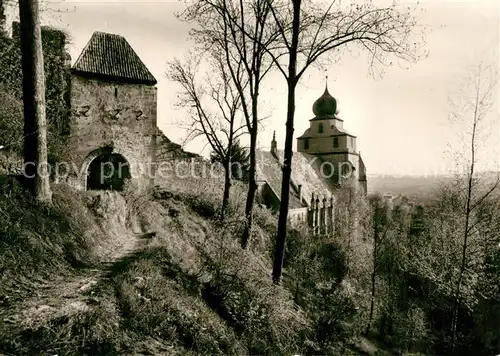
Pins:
x,y
115,115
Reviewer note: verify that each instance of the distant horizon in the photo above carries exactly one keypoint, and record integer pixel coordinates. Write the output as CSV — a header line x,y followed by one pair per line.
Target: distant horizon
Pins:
x,y
423,175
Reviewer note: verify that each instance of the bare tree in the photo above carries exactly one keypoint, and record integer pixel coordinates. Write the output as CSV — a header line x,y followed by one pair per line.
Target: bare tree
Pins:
x,y
471,108
223,26
35,126
262,29
380,225
309,34
214,108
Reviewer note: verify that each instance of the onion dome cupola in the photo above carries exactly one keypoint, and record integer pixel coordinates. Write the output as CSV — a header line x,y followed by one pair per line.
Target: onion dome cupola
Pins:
x,y
325,106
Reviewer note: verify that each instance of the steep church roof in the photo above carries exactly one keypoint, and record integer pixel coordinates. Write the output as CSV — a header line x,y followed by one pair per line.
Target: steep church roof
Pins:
x,y
305,172
269,170
111,56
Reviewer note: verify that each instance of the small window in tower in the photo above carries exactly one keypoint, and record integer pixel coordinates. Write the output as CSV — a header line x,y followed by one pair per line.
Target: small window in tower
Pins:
x,y
335,142
116,92
306,144
320,128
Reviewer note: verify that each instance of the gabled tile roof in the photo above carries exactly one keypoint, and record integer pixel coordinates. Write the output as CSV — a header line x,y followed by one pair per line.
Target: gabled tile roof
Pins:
x,y
110,55
305,171
269,170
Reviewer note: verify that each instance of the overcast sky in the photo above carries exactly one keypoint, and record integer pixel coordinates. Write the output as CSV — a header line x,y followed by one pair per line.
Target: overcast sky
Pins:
x,y
400,120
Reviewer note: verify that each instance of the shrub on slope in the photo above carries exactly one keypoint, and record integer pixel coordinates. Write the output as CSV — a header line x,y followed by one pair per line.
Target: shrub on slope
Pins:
x,y
192,290
36,240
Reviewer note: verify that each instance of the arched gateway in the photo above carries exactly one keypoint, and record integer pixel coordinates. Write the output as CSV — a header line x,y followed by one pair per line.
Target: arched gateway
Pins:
x,y
108,171
113,116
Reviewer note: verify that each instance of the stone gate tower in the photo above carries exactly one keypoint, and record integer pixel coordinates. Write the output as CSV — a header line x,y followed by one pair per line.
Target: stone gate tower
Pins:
x,y
113,116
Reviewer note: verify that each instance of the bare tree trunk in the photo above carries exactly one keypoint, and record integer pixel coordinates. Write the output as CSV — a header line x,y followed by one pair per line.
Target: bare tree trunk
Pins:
x,y
456,305
463,261
252,188
35,127
373,277
253,130
285,188
468,210
227,172
349,233
227,189
287,164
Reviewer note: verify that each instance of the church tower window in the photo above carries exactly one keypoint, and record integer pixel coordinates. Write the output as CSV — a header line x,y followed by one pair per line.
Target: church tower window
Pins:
x,y
335,142
306,144
320,128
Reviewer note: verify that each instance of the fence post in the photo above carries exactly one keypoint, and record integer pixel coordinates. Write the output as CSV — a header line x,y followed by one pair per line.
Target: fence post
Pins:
x,y
322,216
310,214
331,217
316,216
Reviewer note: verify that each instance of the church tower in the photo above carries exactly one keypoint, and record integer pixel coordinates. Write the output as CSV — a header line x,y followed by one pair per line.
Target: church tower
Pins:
x,y
327,139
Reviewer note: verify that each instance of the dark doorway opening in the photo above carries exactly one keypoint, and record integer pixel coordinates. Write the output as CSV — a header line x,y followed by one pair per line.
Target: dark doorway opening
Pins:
x,y
108,171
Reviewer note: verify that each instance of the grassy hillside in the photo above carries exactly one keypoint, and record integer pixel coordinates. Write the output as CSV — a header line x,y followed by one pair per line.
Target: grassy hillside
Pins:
x,y
101,273
38,242
158,274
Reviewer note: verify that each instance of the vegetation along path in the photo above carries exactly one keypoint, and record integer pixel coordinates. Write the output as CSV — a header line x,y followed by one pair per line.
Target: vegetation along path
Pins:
x,y
69,294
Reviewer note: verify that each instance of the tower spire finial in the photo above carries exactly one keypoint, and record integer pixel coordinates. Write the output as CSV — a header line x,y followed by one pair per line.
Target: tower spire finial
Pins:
x,y
326,80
